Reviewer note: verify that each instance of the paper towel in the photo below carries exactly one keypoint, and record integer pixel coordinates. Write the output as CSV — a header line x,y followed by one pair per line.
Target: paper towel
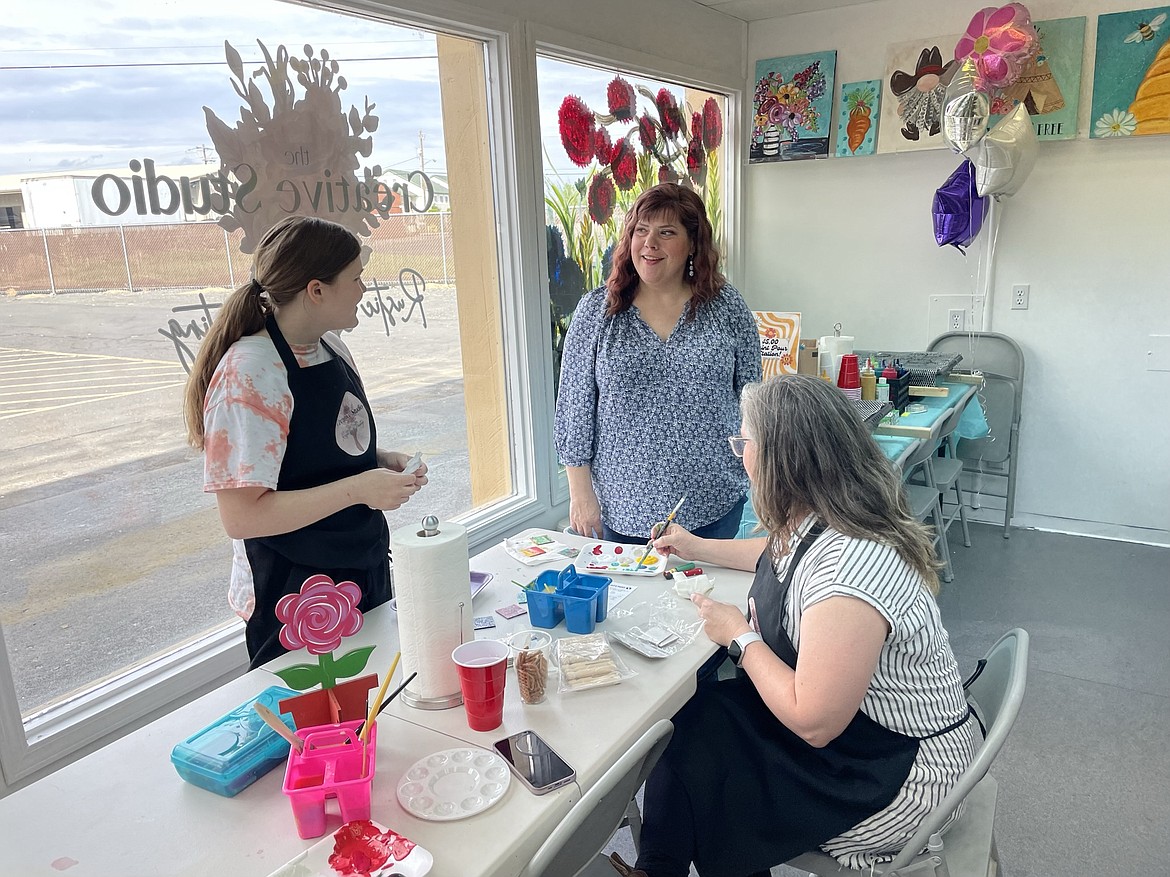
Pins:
x,y
430,581
830,349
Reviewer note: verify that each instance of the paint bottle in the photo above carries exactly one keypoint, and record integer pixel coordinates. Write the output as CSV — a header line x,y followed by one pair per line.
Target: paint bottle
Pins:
x,y
890,372
868,382
882,390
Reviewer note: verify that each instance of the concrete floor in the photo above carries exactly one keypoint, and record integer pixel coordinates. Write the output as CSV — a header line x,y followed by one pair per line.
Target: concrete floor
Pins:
x,y
1084,779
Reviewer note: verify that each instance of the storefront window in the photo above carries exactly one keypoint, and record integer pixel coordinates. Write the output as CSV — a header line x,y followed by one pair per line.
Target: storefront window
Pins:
x,y
144,156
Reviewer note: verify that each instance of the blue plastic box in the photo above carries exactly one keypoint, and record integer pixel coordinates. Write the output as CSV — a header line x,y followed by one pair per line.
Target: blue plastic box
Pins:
x,y
580,600
237,749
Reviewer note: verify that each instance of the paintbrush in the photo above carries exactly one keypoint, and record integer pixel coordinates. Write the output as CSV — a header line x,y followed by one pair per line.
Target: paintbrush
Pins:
x,y
665,524
393,694
273,721
363,729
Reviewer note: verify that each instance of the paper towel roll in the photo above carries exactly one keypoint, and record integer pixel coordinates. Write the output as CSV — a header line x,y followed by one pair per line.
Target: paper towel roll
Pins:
x,y
830,349
430,581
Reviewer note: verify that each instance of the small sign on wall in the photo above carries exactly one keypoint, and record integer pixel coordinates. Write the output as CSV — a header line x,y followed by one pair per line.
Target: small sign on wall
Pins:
x,y
779,341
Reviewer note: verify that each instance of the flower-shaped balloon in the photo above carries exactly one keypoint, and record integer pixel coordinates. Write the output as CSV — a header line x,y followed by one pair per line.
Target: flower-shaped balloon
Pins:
x,y
1000,42
316,620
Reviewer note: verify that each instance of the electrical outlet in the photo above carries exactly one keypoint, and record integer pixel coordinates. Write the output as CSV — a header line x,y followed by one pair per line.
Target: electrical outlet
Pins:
x,y
1020,296
956,319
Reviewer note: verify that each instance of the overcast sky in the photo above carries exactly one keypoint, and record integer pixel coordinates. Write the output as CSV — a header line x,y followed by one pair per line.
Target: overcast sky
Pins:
x,y
92,84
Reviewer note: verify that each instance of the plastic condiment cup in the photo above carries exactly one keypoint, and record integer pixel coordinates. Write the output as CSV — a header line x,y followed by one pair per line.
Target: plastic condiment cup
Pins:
x,y
482,668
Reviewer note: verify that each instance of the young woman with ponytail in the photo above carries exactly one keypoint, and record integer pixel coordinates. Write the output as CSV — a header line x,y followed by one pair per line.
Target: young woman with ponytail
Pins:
x,y
276,405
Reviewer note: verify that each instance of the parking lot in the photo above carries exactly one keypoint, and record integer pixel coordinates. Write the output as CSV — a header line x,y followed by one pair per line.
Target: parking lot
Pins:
x,y
111,550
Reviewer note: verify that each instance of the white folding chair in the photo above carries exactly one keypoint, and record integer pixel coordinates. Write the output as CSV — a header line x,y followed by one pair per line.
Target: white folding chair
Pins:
x,y
574,846
1001,362
967,848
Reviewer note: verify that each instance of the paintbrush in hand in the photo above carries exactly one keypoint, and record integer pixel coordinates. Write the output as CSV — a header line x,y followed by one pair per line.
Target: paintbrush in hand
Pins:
x,y
654,536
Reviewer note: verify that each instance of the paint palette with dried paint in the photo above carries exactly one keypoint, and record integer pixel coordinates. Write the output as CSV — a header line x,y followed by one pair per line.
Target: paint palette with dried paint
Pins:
x,y
360,848
614,559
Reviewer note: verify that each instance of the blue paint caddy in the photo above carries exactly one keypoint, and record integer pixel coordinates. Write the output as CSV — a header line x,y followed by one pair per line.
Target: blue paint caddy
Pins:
x,y
236,749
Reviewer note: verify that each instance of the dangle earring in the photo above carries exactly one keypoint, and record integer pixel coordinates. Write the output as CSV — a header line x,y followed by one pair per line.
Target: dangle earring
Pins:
x,y
691,265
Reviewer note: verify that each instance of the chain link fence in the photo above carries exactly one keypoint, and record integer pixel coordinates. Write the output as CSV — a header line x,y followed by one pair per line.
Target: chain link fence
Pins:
x,y
194,255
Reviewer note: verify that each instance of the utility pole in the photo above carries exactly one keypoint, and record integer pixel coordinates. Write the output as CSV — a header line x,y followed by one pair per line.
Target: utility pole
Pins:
x,y
204,151
422,162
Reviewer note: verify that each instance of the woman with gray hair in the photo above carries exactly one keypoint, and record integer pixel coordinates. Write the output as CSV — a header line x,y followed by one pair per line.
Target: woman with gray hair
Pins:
x,y
846,722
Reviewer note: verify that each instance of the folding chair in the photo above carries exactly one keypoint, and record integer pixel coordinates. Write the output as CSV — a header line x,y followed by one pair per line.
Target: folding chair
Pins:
x,y
967,848
925,499
1001,361
574,846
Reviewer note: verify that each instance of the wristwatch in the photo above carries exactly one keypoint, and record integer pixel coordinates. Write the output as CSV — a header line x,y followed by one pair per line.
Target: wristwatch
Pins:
x,y
736,647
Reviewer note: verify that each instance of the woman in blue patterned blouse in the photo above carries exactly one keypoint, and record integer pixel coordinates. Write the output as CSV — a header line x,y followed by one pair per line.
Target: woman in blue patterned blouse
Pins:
x,y
653,366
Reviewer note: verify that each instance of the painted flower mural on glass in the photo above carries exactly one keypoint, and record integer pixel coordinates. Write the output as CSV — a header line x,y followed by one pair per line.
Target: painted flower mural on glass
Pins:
x,y
316,620
670,150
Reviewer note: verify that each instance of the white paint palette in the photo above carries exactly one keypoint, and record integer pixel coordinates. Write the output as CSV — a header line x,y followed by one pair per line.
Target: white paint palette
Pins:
x,y
610,558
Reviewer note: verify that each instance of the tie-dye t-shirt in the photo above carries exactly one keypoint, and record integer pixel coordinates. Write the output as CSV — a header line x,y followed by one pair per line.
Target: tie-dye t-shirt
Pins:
x,y
245,419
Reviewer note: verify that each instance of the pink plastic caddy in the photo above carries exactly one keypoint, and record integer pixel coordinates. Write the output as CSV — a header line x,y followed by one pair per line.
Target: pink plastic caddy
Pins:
x,y
330,766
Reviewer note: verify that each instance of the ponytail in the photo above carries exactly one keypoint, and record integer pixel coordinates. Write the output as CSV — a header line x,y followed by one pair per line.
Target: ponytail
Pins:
x,y
291,254
242,314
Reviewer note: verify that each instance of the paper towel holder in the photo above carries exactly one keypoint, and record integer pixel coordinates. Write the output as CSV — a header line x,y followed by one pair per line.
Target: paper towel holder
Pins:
x,y
430,527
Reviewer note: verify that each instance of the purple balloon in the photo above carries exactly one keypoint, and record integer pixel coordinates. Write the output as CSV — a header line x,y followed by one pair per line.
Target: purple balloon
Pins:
x,y
958,209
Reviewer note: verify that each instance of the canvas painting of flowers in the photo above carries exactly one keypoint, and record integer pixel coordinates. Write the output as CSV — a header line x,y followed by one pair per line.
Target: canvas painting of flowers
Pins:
x,y
857,117
913,93
793,107
1049,86
1131,79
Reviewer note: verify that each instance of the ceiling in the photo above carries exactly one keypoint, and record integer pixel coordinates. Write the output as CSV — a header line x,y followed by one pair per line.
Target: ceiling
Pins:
x,y
757,10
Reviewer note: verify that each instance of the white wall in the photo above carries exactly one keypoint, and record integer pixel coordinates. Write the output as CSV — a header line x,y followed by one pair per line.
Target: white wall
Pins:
x,y
851,240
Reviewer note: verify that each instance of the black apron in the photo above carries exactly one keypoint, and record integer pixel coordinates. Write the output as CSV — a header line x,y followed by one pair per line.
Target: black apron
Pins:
x,y
349,545
760,794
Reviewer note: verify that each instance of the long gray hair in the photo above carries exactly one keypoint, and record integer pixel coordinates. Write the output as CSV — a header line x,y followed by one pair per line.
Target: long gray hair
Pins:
x,y
813,455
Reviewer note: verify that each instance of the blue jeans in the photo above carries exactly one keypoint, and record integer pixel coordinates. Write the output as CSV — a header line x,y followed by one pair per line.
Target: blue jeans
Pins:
x,y
724,528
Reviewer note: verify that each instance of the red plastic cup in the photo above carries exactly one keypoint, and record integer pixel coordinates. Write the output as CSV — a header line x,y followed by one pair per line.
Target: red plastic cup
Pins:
x,y
482,671
849,377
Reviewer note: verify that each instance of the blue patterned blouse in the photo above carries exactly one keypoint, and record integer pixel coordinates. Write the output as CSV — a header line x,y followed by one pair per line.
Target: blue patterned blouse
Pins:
x,y
651,417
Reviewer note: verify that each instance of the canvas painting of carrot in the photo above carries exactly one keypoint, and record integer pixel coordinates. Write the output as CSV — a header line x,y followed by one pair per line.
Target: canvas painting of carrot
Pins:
x,y
857,117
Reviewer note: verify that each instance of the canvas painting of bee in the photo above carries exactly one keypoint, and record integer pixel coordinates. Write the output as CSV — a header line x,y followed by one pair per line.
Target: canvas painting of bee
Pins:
x,y
1131,76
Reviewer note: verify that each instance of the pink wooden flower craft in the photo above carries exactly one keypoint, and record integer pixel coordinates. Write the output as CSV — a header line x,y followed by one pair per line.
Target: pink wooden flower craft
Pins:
x,y
316,620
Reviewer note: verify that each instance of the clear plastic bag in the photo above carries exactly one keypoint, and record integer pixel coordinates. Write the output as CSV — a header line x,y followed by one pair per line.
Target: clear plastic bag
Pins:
x,y
585,662
640,627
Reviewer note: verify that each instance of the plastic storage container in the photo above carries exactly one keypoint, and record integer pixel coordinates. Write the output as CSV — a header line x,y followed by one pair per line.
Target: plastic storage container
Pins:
x,y
580,600
236,749
333,764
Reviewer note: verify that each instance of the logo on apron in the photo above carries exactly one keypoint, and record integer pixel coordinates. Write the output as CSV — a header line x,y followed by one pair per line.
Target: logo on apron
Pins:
x,y
353,426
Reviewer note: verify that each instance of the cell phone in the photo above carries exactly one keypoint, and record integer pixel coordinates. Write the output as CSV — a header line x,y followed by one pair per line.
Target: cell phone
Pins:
x,y
535,762
413,463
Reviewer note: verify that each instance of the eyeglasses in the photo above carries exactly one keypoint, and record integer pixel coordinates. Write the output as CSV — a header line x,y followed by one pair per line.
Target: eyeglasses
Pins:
x,y
738,442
